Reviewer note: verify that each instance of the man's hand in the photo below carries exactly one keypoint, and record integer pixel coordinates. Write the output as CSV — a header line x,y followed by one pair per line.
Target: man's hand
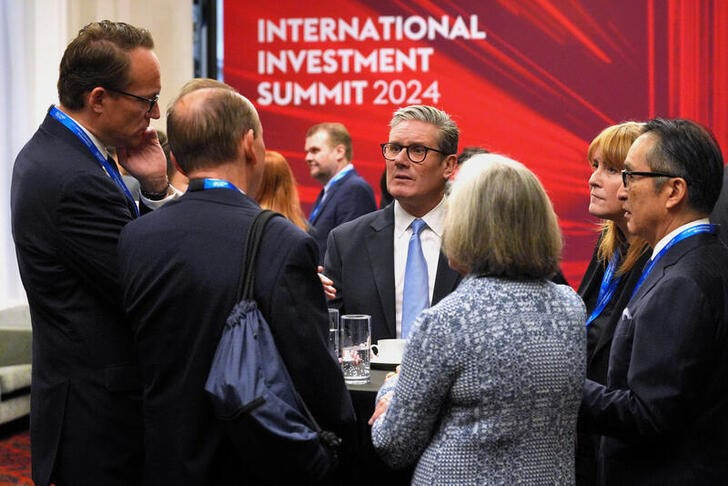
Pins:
x,y
326,283
146,162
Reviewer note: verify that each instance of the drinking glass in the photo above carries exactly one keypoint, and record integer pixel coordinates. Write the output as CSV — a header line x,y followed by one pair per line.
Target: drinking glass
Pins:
x,y
355,342
334,332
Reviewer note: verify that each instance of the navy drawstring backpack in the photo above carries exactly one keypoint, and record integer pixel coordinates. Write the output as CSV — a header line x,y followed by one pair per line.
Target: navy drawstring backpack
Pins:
x,y
252,392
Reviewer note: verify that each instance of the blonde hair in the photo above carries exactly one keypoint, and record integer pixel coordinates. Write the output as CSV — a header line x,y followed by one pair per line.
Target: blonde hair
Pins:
x,y
614,143
500,221
278,189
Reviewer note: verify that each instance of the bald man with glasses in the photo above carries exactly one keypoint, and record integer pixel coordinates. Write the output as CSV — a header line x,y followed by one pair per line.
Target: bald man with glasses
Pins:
x,y
388,263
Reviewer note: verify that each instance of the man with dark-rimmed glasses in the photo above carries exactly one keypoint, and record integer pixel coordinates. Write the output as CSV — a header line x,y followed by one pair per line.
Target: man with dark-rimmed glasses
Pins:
x,y
367,258
69,205
663,413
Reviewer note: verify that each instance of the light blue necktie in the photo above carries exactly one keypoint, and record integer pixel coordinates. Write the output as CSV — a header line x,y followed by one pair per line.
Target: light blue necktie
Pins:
x,y
416,294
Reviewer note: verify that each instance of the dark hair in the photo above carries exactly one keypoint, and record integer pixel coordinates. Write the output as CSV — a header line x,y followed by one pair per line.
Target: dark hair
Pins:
x,y
98,56
338,135
205,127
469,152
688,150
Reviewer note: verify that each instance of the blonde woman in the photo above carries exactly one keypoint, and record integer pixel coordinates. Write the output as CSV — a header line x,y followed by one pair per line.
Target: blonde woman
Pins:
x,y
492,376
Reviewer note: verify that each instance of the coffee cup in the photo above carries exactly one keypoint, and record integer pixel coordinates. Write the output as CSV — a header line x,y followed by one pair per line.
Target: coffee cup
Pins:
x,y
389,350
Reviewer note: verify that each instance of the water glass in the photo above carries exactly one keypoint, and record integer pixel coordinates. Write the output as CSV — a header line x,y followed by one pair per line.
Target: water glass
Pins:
x,y
334,332
355,342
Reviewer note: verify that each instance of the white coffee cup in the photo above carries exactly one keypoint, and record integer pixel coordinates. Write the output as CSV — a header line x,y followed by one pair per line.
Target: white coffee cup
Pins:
x,y
389,350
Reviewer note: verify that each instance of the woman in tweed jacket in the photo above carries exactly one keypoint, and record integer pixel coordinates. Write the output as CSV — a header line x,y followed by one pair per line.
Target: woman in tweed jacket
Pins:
x,y
491,377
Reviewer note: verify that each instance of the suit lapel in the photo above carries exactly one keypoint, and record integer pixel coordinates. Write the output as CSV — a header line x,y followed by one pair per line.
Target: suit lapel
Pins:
x,y
316,203
672,256
446,280
380,248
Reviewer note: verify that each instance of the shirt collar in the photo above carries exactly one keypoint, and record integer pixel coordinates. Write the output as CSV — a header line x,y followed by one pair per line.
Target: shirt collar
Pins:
x,y
672,234
434,219
102,148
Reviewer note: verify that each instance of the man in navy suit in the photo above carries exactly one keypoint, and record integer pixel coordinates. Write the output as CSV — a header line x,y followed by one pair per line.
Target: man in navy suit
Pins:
x,y
69,205
180,271
345,195
366,258
664,410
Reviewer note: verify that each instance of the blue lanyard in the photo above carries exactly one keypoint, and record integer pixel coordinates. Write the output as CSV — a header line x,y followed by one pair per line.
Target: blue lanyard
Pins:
x,y
68,122
607,288
209,183
330,184
693,230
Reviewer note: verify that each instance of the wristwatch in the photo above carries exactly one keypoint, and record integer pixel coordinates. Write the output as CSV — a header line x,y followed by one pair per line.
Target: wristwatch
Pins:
x,y
156,196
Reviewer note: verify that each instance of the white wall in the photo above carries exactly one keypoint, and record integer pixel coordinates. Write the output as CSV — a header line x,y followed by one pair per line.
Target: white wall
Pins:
x,y
33,36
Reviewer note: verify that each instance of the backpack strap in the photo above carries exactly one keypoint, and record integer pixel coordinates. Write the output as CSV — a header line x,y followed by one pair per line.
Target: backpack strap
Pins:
x,y
255,235
245,291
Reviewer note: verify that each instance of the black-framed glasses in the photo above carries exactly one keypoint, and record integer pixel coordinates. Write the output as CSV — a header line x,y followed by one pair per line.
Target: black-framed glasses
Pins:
x,y
415,152
628,175
152,101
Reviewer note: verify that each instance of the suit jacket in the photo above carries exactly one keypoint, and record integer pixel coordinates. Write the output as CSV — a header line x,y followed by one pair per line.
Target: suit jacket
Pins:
x,y
719,215
600,332
66,218
665,406
180,270
360,261
346,200
599,343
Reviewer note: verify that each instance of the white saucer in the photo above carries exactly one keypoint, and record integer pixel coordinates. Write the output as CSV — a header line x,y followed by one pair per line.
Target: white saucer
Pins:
x,y
384,365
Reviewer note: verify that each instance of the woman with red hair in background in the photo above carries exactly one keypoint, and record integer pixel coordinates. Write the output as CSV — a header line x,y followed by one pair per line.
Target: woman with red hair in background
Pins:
x,y
278,189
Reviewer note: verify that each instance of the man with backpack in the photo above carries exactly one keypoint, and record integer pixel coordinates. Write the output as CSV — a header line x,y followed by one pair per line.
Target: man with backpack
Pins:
x,y
180,271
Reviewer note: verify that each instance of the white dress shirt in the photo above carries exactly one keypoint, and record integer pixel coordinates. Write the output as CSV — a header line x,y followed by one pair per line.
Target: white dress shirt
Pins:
x,y
431,240
672,234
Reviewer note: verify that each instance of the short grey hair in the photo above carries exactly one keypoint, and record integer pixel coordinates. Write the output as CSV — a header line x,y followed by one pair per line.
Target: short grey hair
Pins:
x,y
449,131
500,222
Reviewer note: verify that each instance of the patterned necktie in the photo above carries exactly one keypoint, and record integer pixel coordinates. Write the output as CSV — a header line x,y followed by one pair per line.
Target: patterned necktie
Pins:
x,y
416,294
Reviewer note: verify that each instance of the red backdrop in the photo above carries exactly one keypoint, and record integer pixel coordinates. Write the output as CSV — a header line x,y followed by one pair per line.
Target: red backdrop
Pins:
x,y
533,79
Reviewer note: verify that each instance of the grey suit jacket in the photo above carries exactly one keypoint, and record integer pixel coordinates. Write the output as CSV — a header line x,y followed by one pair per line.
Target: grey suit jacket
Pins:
x,y
360,261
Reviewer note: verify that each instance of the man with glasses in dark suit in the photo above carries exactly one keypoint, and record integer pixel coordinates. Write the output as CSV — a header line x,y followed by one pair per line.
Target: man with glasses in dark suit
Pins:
x,y
69,204
664,410
377,263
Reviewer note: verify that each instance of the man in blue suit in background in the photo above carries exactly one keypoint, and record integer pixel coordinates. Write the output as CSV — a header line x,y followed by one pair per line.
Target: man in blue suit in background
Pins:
x,y
345,195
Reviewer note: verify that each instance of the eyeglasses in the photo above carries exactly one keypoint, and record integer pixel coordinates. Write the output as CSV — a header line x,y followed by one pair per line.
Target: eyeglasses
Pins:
x,y
152,101
416,153
628,175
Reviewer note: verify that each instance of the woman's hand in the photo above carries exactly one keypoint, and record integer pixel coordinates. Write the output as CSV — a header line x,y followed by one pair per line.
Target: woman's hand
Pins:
x,y
381,408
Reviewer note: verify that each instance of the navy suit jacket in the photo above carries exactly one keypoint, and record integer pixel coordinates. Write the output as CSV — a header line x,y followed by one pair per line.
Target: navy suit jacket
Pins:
x,y
599,341
719,215
180,269
665,406
66,218
360,261
346,200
